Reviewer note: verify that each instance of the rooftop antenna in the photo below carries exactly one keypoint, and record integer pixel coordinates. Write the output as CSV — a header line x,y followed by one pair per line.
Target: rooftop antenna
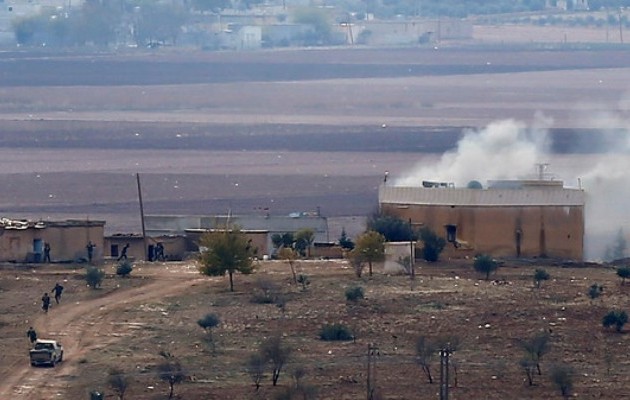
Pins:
x,y
541,170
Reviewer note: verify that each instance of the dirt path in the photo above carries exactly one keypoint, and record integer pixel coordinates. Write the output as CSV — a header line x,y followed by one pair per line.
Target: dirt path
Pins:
x,y
83,327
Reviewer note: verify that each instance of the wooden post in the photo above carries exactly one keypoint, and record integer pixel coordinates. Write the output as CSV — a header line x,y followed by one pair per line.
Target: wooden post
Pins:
x,y
144,236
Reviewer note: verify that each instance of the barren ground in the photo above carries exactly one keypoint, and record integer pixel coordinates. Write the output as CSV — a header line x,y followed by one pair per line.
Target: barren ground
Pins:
x,y
127,322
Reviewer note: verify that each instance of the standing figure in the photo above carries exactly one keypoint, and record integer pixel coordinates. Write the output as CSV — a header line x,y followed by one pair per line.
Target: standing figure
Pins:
x,y
45,302
123,253
31,335
90,250
57,290
159,251
46,252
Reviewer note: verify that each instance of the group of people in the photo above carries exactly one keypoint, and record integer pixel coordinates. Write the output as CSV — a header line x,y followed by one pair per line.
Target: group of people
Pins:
x,y
89,247
57,291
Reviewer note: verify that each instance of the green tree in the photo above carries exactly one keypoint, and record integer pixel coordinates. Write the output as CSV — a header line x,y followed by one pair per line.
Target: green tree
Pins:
x,y
97,23
370,248
392,228
304,239
615,318
432,245
118,381
623,273
319,23
226,251
485,264
539,276
276,241
159,23
344,241
214,6
94,277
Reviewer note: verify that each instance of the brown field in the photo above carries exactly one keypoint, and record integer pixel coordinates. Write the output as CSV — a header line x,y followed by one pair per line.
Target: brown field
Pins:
x,y
290,130
283,130
129,321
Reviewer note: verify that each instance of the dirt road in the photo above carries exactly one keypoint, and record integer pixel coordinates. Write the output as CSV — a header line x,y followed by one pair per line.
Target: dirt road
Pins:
x,y
86,326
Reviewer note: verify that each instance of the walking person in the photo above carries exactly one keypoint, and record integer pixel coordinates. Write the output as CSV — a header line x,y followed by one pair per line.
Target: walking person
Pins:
x,y
31,335
123,253
45,302
90,251
47,252
57,290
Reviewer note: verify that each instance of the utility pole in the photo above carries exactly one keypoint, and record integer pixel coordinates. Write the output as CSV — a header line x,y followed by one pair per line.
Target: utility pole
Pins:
x,y
412,269
144,236
444,355
372,355
620,25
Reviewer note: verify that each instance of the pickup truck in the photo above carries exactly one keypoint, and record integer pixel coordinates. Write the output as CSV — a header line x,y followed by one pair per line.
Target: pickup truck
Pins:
x,y
46,352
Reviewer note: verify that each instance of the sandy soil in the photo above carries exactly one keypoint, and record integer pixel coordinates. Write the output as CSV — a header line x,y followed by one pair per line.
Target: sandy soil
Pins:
x,y
128,321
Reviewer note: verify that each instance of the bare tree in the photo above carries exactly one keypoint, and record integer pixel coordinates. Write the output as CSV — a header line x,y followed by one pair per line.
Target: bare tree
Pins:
x,y
425,353
529,367
171,372
256,369
277,354
562,377
290,256
118,381
535,348
357,262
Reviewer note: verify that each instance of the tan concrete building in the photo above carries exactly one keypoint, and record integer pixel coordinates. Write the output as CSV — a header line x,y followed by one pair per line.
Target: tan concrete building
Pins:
x,y
23,241
537,218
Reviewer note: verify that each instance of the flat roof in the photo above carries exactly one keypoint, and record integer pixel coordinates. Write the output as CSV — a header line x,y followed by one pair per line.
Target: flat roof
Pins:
x,y
525,196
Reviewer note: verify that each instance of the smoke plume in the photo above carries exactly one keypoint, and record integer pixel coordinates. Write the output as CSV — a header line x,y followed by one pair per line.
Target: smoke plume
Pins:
x,y
511,150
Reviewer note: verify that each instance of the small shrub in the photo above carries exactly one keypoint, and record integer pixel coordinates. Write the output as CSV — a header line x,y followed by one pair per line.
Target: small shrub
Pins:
x,y
615,318
623,273
539,276
266,292
208,322
335,332
595,291
94,277
485,264
303,280
354,293
432,245
124,269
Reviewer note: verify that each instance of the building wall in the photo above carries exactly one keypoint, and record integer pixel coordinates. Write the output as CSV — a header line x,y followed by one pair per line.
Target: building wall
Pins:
x,y
67,241
552,231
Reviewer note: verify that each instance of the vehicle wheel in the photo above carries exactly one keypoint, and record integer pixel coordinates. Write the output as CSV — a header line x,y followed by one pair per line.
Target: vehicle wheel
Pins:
x,y
33,364
61,357
52,363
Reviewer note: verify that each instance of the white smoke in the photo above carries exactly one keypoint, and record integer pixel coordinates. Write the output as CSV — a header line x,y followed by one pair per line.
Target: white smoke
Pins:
x,y
606,180
510,150
503,150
